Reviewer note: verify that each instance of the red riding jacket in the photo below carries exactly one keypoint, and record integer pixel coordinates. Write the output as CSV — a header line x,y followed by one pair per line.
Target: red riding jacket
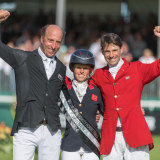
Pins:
x,y
122,98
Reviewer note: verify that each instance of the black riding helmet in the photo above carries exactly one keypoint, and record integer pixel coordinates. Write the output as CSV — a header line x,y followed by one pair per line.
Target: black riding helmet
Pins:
x,y
81,56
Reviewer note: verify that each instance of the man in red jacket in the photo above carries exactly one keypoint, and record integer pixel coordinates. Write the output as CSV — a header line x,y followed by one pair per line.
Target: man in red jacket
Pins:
x,y
125,133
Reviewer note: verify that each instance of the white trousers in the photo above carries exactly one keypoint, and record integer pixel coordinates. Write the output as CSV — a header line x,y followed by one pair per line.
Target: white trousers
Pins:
x,y
79,155
42,137
122,151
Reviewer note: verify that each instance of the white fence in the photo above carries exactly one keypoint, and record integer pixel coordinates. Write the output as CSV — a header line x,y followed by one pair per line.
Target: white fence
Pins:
x,y
7,82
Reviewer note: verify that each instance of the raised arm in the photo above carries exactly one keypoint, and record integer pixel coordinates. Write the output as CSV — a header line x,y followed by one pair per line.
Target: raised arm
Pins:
x,y
148,72
13,57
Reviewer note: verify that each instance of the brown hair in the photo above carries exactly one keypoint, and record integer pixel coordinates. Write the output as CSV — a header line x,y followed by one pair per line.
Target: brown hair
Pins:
x,y
110,38
43,31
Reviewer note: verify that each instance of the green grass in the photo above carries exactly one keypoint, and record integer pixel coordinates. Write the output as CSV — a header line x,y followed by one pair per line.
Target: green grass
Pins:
x,y
154,153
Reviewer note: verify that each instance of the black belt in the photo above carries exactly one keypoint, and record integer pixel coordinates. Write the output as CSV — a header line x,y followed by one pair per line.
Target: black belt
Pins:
x,y
119,129
44,122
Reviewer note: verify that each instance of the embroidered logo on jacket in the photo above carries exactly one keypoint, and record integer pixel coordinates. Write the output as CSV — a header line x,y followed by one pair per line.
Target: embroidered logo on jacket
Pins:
x,y
128,77
60,77
94,97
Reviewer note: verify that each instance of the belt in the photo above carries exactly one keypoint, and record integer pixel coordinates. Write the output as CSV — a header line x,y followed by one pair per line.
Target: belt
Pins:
x,y
44,122
119,129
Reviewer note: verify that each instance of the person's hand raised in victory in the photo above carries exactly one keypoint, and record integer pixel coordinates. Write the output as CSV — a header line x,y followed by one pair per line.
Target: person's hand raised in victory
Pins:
x,y
157,31
4,14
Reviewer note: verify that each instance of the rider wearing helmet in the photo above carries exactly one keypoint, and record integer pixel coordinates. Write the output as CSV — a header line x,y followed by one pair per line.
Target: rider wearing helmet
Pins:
x,y
82,63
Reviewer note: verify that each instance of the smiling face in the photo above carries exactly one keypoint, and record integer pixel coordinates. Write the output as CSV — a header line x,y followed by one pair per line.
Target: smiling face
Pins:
x,y
51,41
112,53
81,72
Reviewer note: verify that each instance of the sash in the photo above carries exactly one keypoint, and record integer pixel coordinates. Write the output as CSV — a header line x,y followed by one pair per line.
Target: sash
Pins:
x,y
79,124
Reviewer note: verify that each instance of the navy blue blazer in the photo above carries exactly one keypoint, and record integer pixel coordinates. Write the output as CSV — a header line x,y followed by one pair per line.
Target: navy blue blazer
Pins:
x,y
92,101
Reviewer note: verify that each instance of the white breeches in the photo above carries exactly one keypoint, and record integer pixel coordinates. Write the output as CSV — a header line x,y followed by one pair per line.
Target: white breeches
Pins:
x,y
122,151
42,137
79,155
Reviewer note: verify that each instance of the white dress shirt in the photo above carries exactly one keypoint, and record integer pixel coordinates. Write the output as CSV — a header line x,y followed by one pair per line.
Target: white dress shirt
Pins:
x,y
49,63
114,70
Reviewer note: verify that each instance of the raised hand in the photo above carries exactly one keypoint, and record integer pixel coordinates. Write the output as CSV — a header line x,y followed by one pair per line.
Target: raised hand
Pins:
x,y
157,31
15,105
143,111
4,14
97,117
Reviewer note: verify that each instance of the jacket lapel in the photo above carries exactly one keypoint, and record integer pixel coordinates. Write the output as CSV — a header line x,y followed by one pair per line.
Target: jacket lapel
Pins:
x,y
107,74
88,94
122,70
39,62
73,94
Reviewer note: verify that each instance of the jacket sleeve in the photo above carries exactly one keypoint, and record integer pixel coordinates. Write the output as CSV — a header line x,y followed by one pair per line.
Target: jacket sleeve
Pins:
x,y
148,72
13,57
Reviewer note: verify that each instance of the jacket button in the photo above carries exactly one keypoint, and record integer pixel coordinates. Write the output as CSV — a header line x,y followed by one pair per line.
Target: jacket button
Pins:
x,y
80,105
44,106
46,94
117,109
114,84
80,112
115,96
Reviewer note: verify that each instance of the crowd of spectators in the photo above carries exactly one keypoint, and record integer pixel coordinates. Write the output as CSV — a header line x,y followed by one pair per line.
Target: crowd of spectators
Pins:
x,y
139,42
